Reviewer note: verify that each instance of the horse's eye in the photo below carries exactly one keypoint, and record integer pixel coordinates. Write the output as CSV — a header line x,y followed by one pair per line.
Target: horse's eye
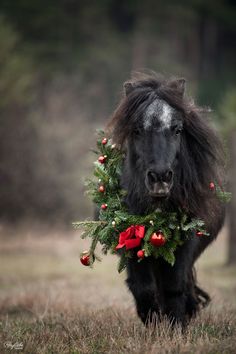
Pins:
x,y
177,130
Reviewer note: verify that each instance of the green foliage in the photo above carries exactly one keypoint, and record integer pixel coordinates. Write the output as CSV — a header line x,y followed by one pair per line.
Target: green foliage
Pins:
x,y
195,223
227,112
16,69
224,196
122,263
175,227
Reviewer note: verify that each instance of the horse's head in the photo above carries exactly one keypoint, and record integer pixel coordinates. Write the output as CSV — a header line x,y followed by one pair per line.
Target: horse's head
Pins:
x,y
155,143
171,151
153,128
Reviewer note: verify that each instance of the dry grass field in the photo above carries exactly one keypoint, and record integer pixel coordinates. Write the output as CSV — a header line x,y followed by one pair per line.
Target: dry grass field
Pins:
x,y
50,303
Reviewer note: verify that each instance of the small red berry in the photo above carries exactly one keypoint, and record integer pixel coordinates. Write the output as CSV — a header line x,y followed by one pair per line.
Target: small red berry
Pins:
x,y
104,206
85,260
212,186
140,254
101,189
102,159
104,141
199,233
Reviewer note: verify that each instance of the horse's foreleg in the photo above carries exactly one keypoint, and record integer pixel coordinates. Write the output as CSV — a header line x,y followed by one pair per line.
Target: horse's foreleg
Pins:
x,y
178,284
141,283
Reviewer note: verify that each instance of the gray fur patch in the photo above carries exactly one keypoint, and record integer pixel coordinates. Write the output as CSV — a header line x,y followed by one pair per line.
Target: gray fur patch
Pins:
x,y
160,110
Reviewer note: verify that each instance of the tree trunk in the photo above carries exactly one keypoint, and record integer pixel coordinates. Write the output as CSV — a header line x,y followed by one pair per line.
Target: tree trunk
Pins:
x,y
232,206
140,45
209,48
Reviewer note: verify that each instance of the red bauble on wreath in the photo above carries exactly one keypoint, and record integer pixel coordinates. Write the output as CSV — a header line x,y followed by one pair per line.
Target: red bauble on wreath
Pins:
x,y
199,233
101,189
102,159
85,258
212,186
104,141
141,254
157,239
104,206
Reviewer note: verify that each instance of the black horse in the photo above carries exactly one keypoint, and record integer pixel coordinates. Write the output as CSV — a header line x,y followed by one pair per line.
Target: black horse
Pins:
x,y
172,154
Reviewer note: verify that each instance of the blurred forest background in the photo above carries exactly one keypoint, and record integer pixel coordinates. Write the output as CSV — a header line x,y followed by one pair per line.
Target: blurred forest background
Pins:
x,y
62,65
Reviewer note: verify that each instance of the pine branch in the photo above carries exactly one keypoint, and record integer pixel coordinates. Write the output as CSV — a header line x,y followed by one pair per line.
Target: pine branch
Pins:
x,y
194,224
78,224
122,263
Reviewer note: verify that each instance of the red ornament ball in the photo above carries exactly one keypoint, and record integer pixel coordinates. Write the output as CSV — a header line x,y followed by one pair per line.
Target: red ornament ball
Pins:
x,y
102,159
101,189
212,186
104,141
157,239
104,206
199,233
140,254
84,259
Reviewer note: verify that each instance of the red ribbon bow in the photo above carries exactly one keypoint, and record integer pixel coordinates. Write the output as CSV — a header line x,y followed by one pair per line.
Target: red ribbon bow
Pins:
x,y
131,237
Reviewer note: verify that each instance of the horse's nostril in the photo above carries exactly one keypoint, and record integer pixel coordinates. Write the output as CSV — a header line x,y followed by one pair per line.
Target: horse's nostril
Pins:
x,y
152,177
156,177
167,177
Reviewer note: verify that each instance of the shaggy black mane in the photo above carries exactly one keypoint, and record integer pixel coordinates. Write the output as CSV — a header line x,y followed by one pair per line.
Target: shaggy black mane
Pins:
x,y
201,156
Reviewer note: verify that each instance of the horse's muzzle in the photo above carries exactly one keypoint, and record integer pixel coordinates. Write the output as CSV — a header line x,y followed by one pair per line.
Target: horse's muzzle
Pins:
x,y
159,183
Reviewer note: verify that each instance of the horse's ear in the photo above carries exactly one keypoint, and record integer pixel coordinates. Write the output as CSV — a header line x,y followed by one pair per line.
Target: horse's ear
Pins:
x,y
179,86
128,87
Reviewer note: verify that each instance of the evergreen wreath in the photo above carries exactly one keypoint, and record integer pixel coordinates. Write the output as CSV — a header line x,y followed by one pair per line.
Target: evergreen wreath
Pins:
x,y
157,234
